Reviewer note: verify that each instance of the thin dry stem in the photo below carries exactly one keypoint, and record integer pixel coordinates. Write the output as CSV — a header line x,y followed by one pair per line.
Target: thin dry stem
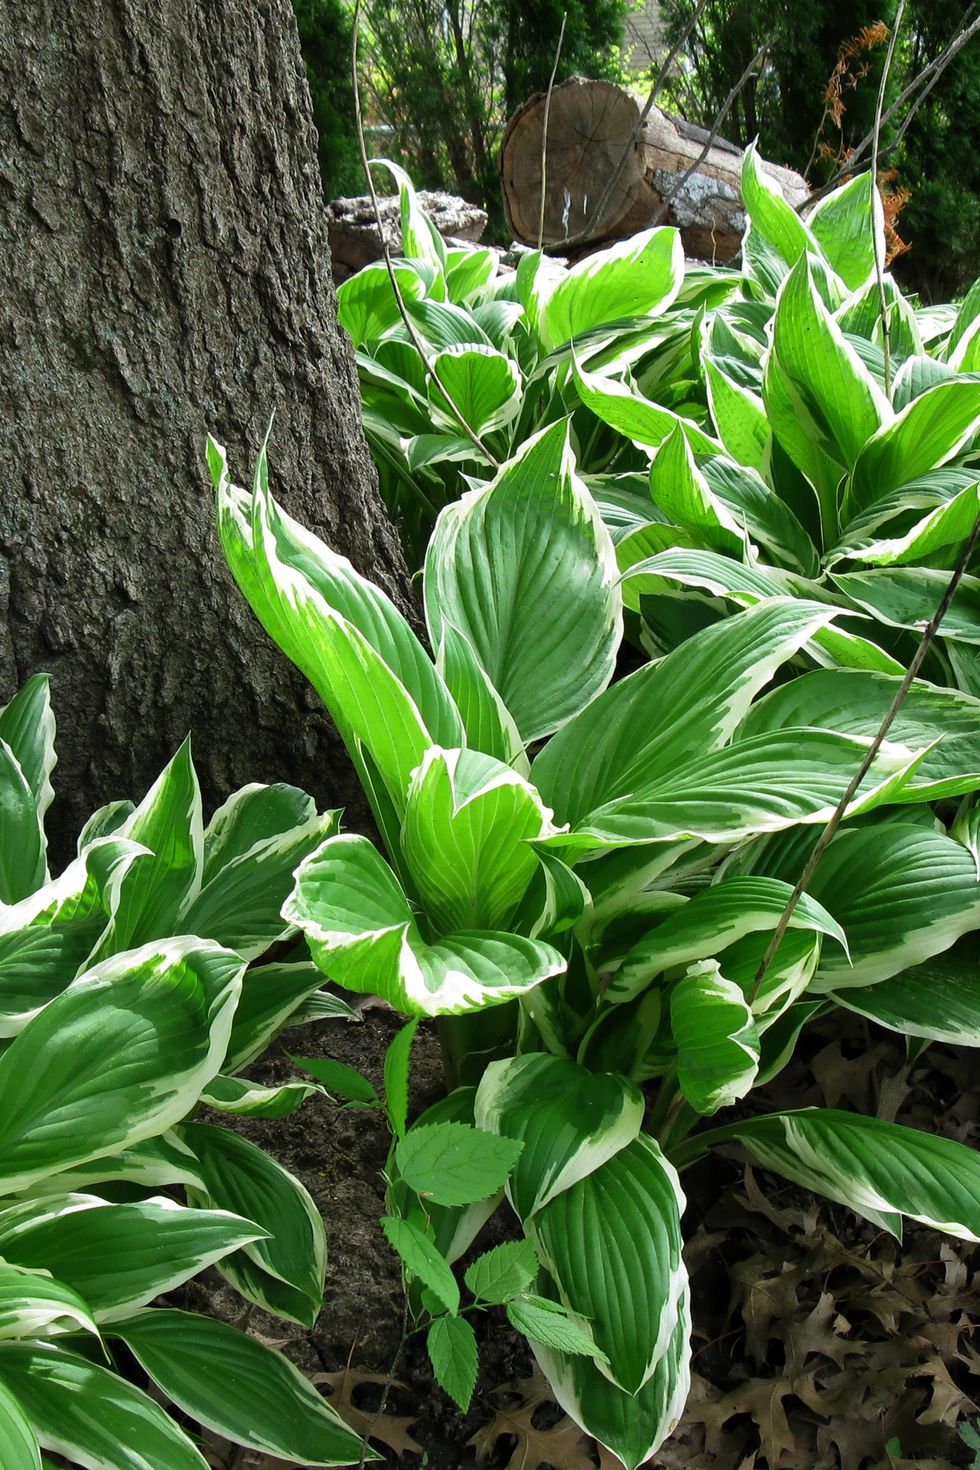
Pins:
x,y
879,244
544,129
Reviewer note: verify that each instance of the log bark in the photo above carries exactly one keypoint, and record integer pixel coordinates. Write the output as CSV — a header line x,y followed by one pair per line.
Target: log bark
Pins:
x,y
164,272
589,126
355,239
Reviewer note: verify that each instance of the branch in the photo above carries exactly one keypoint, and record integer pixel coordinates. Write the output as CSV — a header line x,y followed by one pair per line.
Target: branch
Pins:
x,y
586,233
544,129
723,112
827,835
417,342
879,243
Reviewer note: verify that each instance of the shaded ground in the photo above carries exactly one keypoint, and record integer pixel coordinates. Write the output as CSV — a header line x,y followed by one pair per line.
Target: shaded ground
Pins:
x,y
820,1344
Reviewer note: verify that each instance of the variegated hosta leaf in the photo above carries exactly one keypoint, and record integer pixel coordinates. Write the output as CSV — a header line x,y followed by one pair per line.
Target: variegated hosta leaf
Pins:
x,y
762,784
271,995
644,422
89,1414
942,529
251,1099
245,886
18,1443
716,1038
634,277
611,1242
488,724
569,1119
357,650
285,1271
902,894
118,1257
468,823
525,569
871,1166
771,217
907,597
632,1426
363,934
22,847
152,894
943,722
937,1001
721,576
848,225
680,490
931,430
713,919
738,414
688,704
238,1387
787,975
154,1163
120,1056
34,1304
37,963
88,887
484,385
27,729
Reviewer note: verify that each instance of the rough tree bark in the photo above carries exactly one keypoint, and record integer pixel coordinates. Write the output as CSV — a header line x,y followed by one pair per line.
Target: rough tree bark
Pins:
x,y
164,271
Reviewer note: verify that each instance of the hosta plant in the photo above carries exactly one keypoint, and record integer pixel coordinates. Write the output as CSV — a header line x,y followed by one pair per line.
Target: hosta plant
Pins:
x,y
127,999
580,880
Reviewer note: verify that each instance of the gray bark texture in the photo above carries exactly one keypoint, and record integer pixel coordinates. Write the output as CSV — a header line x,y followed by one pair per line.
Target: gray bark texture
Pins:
x,y
164,272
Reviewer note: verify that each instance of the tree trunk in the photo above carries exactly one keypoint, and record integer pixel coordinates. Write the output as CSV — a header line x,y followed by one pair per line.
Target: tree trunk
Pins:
x,y
589,127
164,272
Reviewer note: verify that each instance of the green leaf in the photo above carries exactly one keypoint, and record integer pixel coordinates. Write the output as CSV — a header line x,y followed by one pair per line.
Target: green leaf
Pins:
x,y
363,934
931,430
907,597
484,385
612,1243
120,1056
37,963
118,1257
869,1165
855,703
22,849
283,1273
633,1426
27,728
366,304
942,530
257,1399
271,996
153,894
18,1442
239,1096
525,569
772,218
454,1164
547,1323
469,269
422,1260
451,1345
902,894
91,1415
488,724
684,496
634,277
503,1272
33,1304
85,890
844,404
469,822
570,1121
846,224
738,414
938,1001
640,420
717,1043
339,1078
690,702
397,1065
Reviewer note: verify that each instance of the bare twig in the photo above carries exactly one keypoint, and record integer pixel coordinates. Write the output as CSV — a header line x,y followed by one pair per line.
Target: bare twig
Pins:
x,y
416,340
926,79
544,129
723,112
587,230
827,835
879,242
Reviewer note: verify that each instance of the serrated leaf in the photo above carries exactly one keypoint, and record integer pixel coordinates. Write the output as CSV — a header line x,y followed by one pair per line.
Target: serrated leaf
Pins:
x,y
397,1066
452,1350
337,1077
454,1164
547,1322
503,1272
422,1260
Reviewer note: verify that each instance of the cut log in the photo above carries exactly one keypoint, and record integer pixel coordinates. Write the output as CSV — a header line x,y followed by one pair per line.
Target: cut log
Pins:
x,y
355,239
589,126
